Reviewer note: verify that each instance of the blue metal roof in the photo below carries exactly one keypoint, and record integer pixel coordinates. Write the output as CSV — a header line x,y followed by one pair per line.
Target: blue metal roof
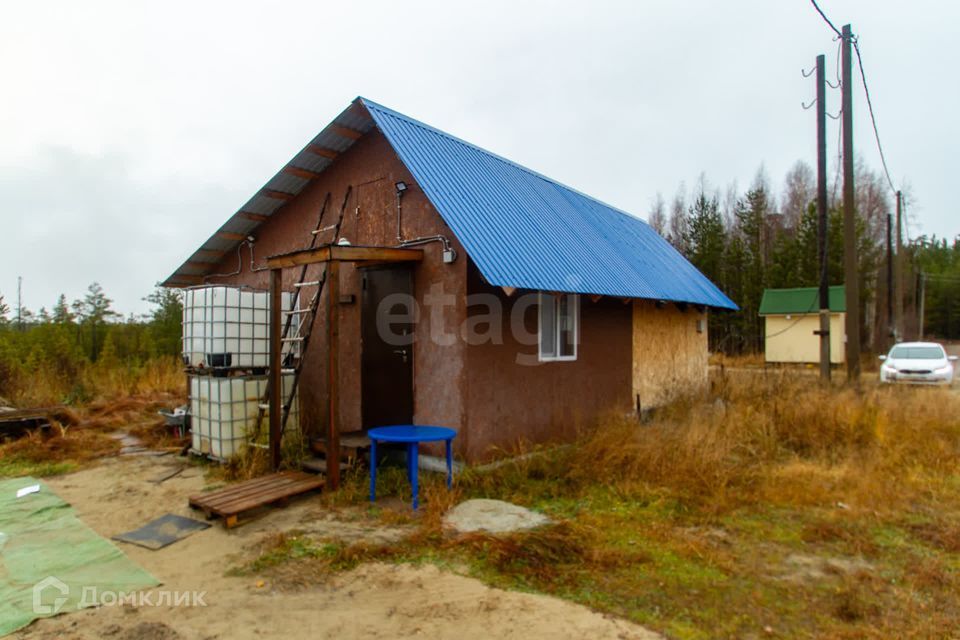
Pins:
x,y
526,231
522,229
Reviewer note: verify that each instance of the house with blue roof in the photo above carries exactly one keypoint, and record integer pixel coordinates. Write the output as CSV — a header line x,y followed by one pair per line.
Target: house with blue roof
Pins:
x,y
530,309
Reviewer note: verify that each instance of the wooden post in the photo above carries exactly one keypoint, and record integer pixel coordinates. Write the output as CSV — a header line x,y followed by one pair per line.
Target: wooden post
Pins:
x,y
822,256
275,381
850,262
898,274
333,345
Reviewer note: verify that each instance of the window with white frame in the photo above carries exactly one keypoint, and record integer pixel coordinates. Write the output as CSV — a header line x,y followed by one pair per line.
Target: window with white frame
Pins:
x,y
559,319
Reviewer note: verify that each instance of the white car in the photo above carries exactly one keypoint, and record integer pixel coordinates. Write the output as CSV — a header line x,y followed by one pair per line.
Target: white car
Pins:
x,y
917,363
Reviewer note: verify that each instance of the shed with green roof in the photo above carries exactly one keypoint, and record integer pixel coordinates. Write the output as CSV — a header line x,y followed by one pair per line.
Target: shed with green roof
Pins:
x,y
791,319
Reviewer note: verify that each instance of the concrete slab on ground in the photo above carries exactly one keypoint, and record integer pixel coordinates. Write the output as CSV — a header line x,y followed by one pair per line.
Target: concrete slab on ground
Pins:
x,y
492,516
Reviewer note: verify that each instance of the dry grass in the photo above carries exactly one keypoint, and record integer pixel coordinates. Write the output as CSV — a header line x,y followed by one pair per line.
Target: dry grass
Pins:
x,y
745,360
254,461
65,449
775,438
772,502
47,384
81,434
774,507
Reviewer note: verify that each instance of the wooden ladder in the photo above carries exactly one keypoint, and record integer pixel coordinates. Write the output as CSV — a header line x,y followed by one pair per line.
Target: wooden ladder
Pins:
x,y
303,337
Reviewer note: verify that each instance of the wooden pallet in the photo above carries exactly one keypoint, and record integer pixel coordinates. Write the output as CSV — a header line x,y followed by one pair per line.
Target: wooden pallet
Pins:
x,y
230,502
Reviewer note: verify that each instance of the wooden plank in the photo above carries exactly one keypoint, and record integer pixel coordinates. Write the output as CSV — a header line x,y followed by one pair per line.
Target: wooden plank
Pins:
x,y
354,439
265,493
316,465
254,493
344,253
276,379
345,132
347,253
235,489
240,487
306,174
280,494
230,235
260,495
256,217
348,440
322,151
32,413
333,375
277,195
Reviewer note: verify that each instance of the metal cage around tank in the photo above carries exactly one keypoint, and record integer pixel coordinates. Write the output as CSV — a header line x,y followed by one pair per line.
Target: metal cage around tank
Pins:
x,y
224,412
228,328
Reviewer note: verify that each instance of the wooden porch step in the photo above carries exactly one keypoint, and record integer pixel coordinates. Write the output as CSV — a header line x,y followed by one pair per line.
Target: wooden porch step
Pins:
x,y
314,465
231,502
352,446
348,440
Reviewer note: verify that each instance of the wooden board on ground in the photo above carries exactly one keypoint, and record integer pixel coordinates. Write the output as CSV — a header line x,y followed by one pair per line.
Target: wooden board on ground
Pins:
x,y
231,502
15,423
35,413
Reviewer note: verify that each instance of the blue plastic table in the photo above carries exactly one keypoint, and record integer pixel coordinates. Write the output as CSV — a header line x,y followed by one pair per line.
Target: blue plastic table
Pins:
x,y
411,435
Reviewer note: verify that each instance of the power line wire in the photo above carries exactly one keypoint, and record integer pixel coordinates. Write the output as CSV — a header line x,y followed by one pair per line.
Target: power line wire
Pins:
x,y
824,16
873,119
866,91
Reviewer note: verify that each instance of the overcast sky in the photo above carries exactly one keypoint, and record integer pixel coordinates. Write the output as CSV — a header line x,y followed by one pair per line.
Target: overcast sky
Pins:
x,y
130,131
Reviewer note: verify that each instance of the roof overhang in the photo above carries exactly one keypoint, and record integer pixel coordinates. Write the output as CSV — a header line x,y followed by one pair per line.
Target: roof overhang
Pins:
x,y
306,166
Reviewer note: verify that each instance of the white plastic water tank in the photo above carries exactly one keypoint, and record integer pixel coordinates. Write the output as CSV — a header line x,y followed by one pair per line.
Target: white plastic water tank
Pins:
x,y
230,327
223,412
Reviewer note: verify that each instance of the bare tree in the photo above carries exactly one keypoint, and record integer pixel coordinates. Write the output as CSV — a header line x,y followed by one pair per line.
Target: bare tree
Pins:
x,y
679,225
872,201
658,215
799,190
728,206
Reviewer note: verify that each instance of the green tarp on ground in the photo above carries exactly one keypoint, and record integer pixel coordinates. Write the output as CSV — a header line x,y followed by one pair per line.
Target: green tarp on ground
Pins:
x,y
42,542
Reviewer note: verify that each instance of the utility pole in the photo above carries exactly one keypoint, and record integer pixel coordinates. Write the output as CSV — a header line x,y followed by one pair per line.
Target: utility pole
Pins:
x,y
898,281
890,327
922,280
19,303
822,219
851,283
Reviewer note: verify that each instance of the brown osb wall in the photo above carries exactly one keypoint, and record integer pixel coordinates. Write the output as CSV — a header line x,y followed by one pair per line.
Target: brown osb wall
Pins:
x,y
510,403
670,356
372,168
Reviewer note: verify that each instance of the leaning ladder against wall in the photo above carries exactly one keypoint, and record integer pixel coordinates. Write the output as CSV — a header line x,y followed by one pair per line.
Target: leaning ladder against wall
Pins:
x,y
305,324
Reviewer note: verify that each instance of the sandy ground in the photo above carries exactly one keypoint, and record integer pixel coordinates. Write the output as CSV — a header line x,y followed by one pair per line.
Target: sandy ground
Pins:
x,y
373,601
